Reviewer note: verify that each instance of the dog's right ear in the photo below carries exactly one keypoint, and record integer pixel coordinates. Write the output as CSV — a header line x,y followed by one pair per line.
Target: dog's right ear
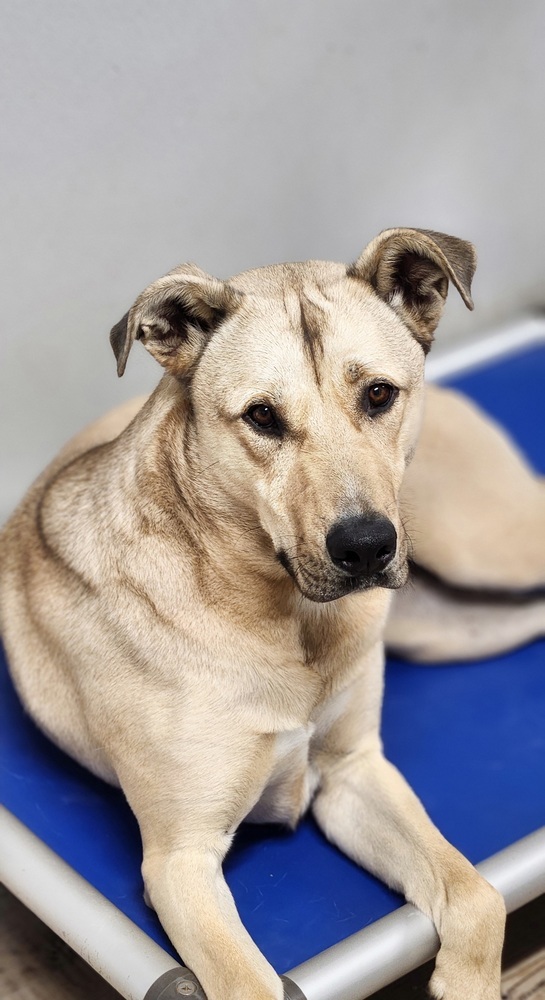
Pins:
x,y
174,318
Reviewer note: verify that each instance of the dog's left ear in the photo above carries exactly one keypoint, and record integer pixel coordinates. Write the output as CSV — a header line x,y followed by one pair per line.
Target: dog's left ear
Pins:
x,y
174,318
410,269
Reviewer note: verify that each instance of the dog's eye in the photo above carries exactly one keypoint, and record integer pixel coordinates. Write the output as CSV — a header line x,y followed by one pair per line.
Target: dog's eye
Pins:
x,y
263,418
379,397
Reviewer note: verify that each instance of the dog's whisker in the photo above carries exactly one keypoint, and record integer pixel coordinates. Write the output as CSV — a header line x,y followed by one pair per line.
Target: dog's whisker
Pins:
x,y
200,472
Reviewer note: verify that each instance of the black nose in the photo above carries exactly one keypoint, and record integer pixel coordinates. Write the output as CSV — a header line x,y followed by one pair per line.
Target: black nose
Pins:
x,y
362,546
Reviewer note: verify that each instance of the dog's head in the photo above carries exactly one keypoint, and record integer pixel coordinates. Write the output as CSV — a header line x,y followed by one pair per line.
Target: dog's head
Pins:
x,y
305,384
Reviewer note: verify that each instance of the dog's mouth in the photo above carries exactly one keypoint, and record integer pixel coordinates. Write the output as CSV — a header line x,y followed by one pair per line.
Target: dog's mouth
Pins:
x,y
323,584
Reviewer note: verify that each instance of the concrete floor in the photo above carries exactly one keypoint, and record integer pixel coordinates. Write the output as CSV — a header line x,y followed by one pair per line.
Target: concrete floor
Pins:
x,y
36,965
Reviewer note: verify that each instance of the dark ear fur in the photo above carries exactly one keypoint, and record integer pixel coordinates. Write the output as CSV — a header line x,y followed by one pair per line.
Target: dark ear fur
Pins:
x,y
411,268
118,340
174,318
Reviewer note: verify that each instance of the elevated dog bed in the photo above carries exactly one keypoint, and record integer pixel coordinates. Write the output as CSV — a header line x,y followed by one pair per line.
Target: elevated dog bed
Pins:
x,y
470,739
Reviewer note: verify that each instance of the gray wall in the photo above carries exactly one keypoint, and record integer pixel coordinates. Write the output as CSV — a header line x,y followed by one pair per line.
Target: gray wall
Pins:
x,y
237,132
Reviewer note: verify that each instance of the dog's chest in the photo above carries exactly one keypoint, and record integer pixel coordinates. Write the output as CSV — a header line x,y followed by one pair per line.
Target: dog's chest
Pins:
x,y
292,781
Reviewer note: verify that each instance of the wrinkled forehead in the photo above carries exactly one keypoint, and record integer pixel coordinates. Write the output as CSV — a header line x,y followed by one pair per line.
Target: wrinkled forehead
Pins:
x,y
310,320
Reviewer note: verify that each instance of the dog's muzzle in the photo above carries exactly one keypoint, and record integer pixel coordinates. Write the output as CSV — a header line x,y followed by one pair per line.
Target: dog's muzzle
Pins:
x,y
359,555
362,546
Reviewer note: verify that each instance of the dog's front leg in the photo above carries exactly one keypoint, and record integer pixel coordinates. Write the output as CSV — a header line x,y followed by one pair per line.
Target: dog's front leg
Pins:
x,y
367,808
188,891
189,795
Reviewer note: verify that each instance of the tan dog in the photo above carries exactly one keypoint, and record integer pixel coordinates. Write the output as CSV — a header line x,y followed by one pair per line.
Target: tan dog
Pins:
x,y
194,594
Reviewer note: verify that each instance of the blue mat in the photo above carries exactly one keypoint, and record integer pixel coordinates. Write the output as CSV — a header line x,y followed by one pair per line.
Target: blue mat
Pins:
x,y
470,739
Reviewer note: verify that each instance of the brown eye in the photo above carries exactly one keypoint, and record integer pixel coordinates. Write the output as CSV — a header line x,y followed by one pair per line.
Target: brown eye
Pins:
x,y
263,418
380,396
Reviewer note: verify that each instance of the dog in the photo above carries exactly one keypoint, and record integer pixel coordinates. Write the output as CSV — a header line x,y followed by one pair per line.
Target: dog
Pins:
x,y
195,594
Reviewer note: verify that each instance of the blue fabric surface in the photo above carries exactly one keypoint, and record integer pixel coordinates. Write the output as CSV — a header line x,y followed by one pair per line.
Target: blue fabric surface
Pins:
x,y
469,738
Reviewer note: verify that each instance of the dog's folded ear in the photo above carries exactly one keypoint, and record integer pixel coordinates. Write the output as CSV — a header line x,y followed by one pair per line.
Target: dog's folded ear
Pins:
x,y
411,268
174,318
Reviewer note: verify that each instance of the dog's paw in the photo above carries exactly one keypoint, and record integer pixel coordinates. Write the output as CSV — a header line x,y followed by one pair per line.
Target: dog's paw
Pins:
x,y
436,987
468,964
463,984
